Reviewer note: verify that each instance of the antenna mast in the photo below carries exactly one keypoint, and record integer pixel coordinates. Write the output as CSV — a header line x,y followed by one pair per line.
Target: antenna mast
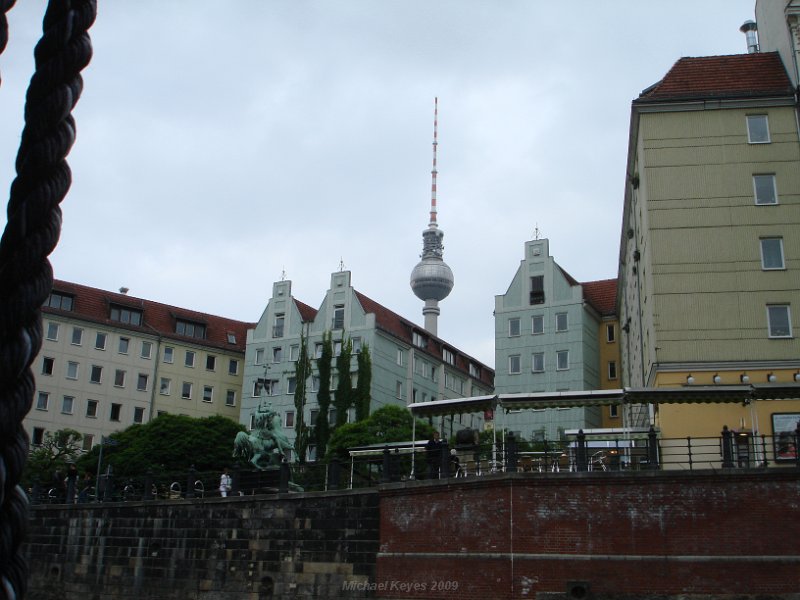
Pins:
x,y
434,171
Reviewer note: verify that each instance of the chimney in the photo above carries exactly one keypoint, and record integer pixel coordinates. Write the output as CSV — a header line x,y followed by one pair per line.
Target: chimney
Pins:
x,y
123,290
750,30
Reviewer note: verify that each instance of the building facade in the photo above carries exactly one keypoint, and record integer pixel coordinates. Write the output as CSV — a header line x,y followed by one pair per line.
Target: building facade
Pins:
x,y
709,290
554,334
109,360
408,363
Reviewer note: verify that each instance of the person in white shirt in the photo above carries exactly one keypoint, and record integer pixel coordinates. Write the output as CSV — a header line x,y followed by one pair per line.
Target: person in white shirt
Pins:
x,y
225,482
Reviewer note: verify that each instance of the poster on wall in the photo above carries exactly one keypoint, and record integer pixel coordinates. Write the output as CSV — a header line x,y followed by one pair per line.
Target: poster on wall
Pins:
x,y
784,436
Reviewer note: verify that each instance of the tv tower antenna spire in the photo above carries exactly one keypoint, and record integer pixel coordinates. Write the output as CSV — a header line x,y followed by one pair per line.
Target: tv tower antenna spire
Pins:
x,y
434,171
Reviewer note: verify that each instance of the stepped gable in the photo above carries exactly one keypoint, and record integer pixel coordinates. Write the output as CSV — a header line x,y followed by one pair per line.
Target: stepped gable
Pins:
x,y
602,295
403,329
760,74
93,304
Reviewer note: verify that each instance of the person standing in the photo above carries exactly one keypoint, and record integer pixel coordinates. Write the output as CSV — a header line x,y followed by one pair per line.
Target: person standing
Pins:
x,y
225,483
433,455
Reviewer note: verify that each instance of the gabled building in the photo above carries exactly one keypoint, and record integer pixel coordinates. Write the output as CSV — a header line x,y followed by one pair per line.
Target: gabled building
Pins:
x,y
109,360
409,364
709,289
555,334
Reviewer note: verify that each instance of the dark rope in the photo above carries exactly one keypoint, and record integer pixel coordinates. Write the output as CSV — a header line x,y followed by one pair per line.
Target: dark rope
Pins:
x,y
32,230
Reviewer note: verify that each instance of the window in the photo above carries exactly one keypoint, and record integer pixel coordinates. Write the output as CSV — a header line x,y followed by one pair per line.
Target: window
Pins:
x,y
766,190
72,370
66,404
208,393
38,436
315,384
88,438
188,360
538,362
474,370
169,354
277,354
294,353
613,411
52,331
611,332
537,324
356,345
190,329
91,408
780,323
317,350
100,341
77,336
257,385
337,348
513,364
126,315
119,378
141,382
332,416
233,367
47,365
211,362
231,337
401,357
757,129
147,350
513,327
562,360
419,340
338,316
561,321
164,386
138,415
96,375
42,401
116,409
277,329
772,253
288,420
612,369
398,389
124,344
312,420
448,356
537,289
271,387
259,360
59,300
186,390
291,385
230,398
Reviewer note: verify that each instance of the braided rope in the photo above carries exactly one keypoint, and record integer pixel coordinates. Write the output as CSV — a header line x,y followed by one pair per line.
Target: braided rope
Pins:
x,y
32,230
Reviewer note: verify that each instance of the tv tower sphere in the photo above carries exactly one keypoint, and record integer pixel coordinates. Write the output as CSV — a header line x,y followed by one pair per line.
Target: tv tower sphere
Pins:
x,y
432,278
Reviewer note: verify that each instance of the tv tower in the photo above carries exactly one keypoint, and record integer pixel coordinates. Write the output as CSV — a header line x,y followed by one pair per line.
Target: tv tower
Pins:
x,y
432,280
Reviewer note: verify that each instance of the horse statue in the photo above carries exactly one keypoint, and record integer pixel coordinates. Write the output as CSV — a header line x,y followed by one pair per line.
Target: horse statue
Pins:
x,y
265,446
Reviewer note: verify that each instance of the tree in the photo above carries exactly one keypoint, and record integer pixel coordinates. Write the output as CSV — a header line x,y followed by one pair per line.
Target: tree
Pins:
x,y
343,397
302,370
168,443
322,429
56,450
363,396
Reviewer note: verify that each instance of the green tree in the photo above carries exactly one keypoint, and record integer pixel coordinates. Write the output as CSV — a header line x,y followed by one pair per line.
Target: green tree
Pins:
x,y
168,443
322,429
56,450
363,396
343,397
302,370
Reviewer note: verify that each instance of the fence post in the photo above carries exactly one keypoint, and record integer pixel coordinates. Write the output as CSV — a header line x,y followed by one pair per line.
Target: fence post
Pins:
x,y
581,460
386,470
652,448
511,453
334,473
283,486
190,482
689,450
444,465
727,448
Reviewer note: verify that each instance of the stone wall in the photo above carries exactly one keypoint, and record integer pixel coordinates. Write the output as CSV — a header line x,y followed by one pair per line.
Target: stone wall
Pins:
x,y
609,535
256,547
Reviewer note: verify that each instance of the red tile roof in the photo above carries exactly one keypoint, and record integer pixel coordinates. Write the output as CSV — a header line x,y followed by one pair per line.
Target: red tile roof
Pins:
x,y
602,295
307,314
759,74
93,304
401,328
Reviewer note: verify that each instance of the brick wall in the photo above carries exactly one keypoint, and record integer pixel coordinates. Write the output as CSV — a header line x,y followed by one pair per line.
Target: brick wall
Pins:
x,y
646,534
256,547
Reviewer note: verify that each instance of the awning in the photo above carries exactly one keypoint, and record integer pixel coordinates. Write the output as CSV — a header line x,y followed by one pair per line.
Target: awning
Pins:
x,y
562,399
453,406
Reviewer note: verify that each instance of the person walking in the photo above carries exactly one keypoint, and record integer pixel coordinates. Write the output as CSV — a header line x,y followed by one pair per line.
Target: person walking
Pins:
x,y
225,483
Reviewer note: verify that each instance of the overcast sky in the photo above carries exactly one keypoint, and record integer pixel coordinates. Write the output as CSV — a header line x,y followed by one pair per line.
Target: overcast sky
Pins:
x,y
223,143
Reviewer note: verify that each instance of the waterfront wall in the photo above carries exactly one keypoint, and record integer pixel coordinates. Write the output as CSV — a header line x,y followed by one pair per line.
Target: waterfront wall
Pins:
x,y
599,535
